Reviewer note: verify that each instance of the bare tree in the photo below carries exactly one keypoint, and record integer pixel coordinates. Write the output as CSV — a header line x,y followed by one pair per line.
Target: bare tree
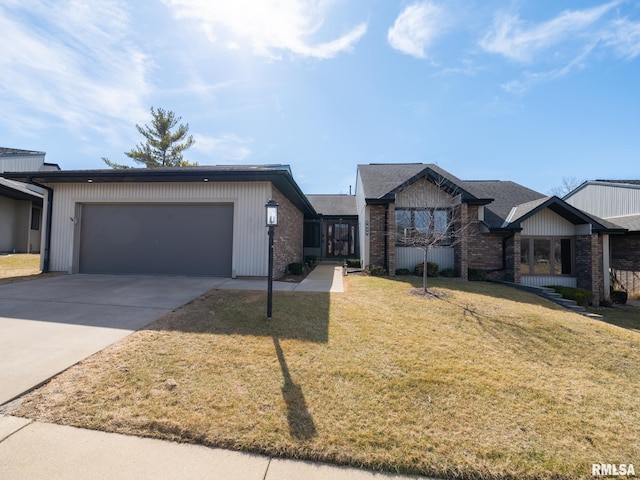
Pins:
x,y
568,184
428,215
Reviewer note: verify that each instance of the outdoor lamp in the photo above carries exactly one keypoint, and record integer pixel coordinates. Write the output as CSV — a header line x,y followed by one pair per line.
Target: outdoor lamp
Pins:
x,y
272,213
272,221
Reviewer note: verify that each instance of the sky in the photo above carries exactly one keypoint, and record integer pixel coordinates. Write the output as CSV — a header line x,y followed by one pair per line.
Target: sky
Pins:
x,y
533,91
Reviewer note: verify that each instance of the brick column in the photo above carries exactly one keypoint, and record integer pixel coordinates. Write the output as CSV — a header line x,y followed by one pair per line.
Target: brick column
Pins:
x,y
391,239
461,249
512,255
589,265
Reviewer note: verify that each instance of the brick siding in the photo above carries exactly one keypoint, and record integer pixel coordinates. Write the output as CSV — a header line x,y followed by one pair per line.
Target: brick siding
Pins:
x,y
625,260
377,235
589,267
287,240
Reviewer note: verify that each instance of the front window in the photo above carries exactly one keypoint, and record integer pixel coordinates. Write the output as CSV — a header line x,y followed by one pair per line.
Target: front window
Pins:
x,y
419,224
546,256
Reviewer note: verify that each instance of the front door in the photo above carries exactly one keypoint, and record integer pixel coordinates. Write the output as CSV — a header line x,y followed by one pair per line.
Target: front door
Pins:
x,y
341,239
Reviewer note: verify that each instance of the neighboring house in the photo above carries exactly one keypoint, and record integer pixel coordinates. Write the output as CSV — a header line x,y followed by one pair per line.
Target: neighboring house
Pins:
x,y
181,221
511,232
617,201
21,204
334,234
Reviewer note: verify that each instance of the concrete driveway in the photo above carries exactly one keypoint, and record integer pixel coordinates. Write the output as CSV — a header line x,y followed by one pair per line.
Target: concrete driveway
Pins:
x,y
47,325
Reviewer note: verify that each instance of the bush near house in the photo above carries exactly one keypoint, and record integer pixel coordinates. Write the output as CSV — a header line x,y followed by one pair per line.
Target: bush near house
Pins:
x,y
353,262
375,271
403,271
448,273
296,268
432,269
310,260
477,275
579,295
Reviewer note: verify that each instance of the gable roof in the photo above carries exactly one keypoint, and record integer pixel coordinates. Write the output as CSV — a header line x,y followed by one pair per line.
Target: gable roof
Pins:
x,y
381,182
524,211
279,175
334,205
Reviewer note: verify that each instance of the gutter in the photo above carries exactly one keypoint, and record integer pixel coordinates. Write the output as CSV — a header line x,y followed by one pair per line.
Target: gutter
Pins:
x,y
47,239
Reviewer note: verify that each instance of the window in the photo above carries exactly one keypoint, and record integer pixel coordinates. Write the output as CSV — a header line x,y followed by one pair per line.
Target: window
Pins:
x,y
35,218
546,256
411,223
311,235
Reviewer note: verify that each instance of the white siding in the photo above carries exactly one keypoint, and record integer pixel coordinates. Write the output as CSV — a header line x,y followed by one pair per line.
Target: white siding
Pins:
x,y
607,201
363,221
423,193
542,281
18,163
547,223
250,247
409,257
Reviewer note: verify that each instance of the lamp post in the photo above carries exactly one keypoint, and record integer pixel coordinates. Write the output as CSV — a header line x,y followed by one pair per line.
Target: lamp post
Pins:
x,y
271,222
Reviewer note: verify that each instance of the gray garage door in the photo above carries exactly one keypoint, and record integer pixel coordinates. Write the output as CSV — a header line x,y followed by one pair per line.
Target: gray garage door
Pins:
x,y
176,239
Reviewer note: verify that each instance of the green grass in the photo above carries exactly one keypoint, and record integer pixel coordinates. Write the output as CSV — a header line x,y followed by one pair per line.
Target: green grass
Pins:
x,y
483,382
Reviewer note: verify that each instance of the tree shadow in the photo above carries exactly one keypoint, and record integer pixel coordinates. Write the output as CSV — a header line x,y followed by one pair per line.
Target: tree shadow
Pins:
x,y
301,425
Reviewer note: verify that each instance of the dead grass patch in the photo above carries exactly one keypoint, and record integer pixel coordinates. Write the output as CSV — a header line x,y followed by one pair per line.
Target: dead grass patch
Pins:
x,y
488,382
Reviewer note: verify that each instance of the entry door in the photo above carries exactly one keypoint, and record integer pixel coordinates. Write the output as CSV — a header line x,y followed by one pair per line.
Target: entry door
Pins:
x,y
341,239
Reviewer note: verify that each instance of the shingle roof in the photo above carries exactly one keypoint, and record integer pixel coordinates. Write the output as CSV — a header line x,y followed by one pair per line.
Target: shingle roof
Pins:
x,y
630,222
334,205
506,195
378,180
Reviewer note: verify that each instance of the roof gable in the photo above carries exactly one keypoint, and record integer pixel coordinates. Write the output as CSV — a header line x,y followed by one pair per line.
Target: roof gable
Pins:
x,y
522,212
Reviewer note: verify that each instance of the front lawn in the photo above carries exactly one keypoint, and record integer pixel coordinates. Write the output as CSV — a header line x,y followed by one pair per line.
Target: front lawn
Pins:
x,y
18,265
483,382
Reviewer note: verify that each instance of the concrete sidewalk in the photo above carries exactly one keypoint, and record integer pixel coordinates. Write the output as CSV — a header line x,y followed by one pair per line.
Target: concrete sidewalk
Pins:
x,y
31,450
325,277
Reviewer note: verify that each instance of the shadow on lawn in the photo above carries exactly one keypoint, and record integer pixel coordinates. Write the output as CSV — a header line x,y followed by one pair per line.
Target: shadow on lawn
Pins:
x,y
301,425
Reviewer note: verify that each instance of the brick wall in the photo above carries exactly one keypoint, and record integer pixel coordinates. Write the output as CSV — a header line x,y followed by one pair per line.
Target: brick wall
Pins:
x,y
465,214
589,265
287,239
377,235
625,260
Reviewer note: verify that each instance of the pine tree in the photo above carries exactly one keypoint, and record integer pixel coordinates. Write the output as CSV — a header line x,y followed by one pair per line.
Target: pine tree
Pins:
x,y
162,147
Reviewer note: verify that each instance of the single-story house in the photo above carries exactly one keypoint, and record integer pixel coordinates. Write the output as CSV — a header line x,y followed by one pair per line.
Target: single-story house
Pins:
x,y
21,204
510,232
334,233
181,221
617,201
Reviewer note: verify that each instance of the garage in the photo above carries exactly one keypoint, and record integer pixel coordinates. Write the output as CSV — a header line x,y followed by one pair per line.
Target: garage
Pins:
x,y
174,239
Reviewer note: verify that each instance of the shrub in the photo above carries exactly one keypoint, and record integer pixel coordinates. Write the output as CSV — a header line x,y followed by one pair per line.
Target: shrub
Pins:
x,y
296,268
448,272
353,262
432,269
376,271
579,295
310,260
403,271
477,275
619,297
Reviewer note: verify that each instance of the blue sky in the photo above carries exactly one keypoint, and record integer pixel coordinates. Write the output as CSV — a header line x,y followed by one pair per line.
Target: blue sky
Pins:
x,y
529,91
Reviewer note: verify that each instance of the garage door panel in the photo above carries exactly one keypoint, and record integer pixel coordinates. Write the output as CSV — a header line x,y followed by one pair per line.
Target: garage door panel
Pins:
x,y
182,239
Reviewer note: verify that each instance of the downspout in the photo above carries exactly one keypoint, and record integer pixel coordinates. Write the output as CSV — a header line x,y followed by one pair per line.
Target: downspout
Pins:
x,y
47,238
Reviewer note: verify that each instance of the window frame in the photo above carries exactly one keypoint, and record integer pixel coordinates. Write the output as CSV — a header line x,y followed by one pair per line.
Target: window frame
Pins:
x,y
553,241
401,238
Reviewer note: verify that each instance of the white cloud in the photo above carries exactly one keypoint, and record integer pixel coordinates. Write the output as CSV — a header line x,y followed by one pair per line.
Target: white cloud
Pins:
x,y
624,37
71,65
226,147
416,28
512,38
269,27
